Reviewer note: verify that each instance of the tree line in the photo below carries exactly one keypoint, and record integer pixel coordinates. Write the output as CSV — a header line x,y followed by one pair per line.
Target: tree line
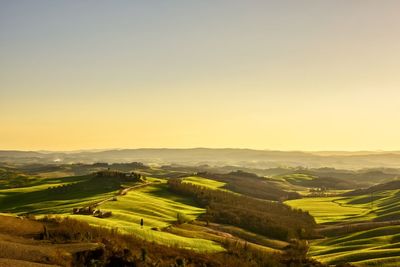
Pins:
x,y
269,218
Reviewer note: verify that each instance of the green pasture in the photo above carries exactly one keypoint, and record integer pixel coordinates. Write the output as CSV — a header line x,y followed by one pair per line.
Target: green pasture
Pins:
x,y
56,195
196,180
158,208
379,206
296,177
376,247
155,204
330,209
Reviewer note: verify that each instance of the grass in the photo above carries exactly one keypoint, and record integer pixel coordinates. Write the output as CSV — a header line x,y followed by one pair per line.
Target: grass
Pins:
x,y
380,206
252,237
375,247
130,225
204,182
158,208
296,177
56,196
331,209
155,204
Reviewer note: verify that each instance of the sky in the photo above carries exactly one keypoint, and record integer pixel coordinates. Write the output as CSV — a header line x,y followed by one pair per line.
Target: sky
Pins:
x,y
281,75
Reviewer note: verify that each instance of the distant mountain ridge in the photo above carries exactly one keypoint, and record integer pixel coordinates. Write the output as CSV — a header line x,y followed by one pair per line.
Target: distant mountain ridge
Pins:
x,y
213,156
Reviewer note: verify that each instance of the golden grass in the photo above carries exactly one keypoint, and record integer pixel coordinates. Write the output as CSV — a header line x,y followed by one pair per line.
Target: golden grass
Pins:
x,y
21,263
19,226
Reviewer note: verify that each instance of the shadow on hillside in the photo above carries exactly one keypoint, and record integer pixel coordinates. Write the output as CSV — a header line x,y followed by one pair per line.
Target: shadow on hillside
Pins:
x,y
81,190
162,191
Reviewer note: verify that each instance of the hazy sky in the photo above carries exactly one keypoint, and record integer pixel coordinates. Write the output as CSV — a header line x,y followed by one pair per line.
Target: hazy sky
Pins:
x,y
289,75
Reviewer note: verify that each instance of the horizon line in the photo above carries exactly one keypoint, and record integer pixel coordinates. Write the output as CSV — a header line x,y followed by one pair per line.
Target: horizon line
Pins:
x,y
193,148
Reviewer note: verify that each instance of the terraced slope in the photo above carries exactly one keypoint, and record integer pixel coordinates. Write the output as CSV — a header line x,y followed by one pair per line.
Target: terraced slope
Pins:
x,y
375,247
57,195
197,180
158,208
362,229
332,209
309,180
377,206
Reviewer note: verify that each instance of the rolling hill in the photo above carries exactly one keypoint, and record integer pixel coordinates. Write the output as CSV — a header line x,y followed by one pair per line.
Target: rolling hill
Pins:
x,y
218,157
361,227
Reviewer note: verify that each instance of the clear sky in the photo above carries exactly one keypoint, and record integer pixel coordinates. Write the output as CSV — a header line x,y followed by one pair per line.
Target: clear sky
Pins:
x,y
287,75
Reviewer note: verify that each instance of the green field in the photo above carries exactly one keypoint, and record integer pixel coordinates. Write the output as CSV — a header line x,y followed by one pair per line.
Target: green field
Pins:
x,y
158,208
380,206
331,209
375,247
296,177
56,195
204,182
154,204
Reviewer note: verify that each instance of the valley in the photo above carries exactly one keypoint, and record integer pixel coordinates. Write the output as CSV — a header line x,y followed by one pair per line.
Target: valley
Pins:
x,y
311,217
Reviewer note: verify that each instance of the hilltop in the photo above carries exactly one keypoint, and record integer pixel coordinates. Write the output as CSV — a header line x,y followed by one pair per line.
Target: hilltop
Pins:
x,y
216,157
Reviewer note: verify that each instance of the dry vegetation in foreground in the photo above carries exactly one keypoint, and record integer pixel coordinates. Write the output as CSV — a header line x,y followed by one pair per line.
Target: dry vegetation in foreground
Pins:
x,y
66,242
